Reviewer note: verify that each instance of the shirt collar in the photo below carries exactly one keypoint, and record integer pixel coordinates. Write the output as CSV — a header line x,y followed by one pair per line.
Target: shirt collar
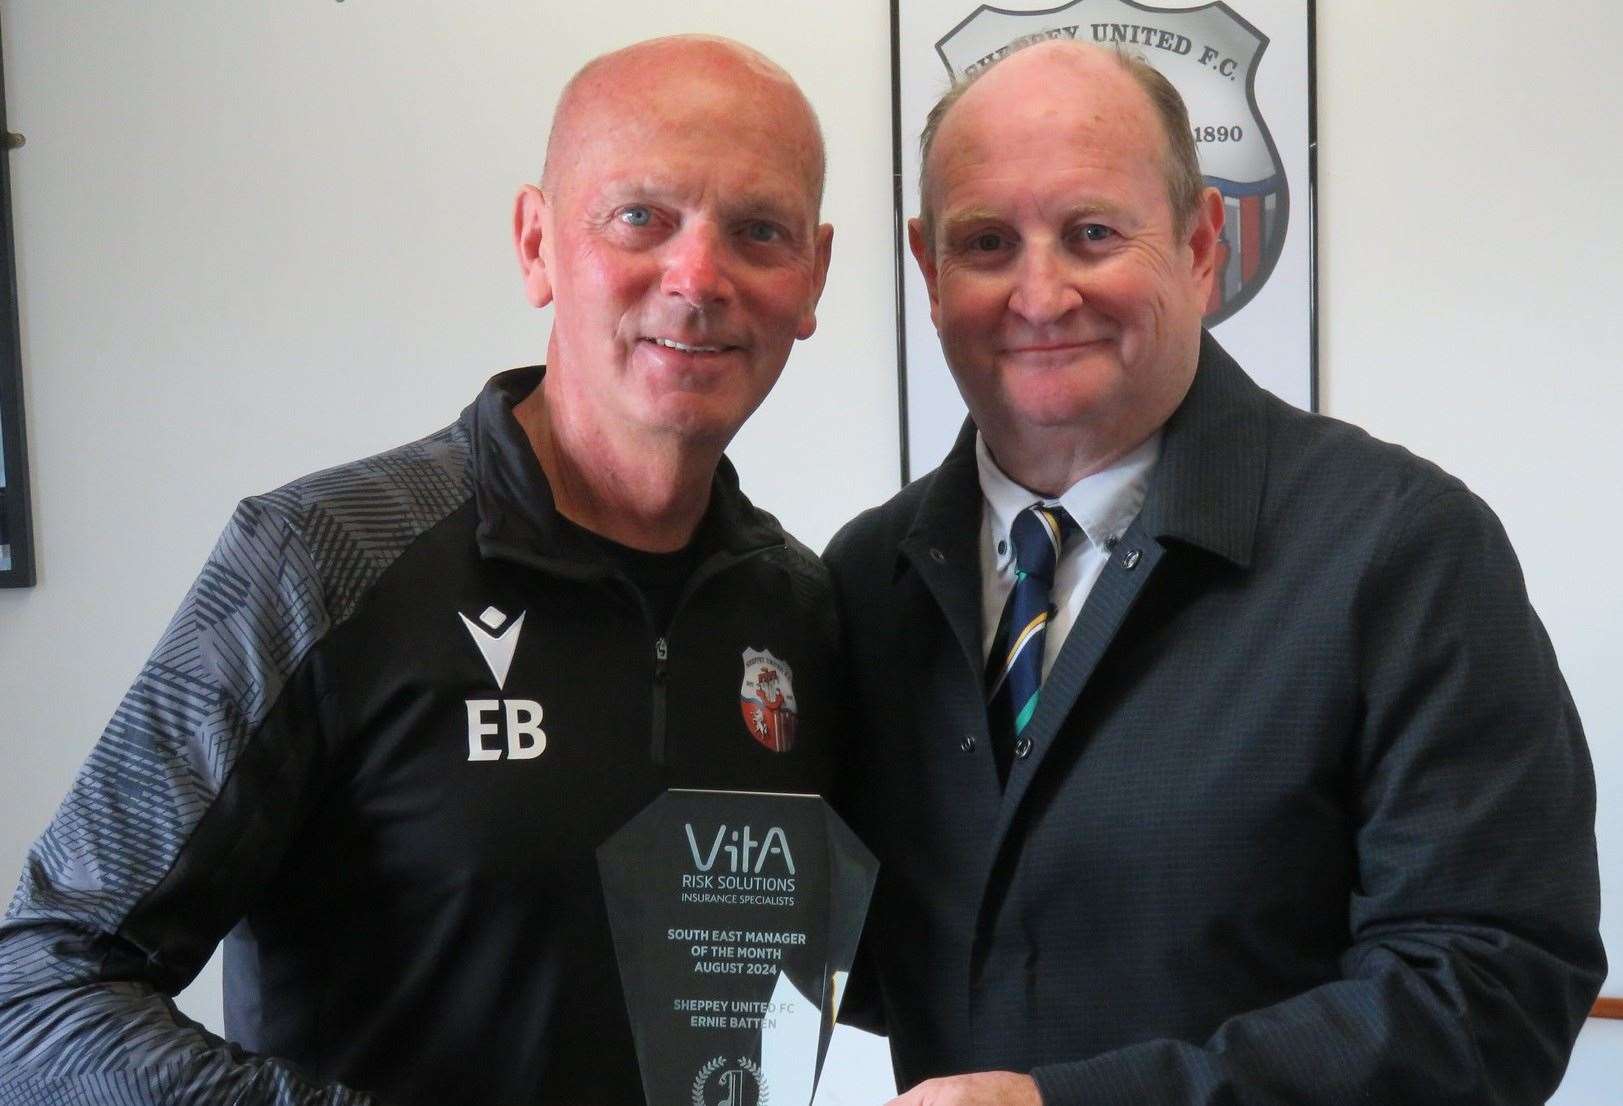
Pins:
x,y
517,514
1103,504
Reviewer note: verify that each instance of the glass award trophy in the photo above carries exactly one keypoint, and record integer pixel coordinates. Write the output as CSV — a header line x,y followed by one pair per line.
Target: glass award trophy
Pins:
x,y
735,918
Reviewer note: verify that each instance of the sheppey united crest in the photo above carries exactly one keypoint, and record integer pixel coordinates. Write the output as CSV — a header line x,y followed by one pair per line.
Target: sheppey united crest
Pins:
x,y
1210,54
766,699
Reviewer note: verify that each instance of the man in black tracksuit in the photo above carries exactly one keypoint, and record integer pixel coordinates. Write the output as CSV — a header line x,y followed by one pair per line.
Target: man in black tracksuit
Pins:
x,y
407,698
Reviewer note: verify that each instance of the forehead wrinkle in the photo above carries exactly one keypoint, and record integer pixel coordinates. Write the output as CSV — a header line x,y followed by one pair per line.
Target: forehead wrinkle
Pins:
x,y
617,182
1067,211
972,215
655,187
980,177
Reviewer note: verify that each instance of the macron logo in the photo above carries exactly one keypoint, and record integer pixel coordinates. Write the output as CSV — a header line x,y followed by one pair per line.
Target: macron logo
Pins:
x,y
516,720
497,649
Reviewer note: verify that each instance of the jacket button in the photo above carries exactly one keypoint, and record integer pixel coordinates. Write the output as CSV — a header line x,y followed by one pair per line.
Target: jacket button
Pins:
x,y
968,743
1022,748
938,557
1130,561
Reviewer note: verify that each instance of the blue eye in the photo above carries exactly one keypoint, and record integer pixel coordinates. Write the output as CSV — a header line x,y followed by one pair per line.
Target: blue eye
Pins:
x,y
1096,232
636,216
986,242
760,231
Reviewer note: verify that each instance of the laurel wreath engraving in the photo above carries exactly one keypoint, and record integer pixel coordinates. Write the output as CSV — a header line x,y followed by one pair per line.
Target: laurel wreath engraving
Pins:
x,y
702,1080
703,1077
754,1069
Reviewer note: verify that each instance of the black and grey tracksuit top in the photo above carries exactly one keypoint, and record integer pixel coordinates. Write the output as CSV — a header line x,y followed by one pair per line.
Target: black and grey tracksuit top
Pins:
x,y
374,752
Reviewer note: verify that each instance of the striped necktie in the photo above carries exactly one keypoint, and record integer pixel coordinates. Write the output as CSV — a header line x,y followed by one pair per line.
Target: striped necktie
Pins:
x,y
1014,669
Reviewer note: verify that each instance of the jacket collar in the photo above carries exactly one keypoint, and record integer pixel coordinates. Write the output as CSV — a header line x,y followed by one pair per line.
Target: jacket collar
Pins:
x,y
1206,489
942,543
518,517
947,525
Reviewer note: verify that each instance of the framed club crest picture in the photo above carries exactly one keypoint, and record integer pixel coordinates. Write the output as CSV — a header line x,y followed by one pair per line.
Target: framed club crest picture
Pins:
x,y
1245,71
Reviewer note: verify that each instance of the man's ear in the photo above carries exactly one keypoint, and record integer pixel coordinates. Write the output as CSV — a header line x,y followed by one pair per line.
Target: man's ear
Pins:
x,y
1205,230
529,238
824,245
918,241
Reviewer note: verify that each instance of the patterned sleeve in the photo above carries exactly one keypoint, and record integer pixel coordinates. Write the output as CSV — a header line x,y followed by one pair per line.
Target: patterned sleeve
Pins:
x,y
154,853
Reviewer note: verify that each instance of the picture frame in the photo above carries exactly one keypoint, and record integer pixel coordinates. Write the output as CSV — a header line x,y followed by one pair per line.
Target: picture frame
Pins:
x,y
16,516
1245,69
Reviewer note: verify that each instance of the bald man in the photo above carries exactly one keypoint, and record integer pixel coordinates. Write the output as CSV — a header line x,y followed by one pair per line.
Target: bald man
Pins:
x,y
1213,753
408,697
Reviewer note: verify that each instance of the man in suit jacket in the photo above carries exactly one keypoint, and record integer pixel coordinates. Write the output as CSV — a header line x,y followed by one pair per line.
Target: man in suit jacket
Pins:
x,y
1300,811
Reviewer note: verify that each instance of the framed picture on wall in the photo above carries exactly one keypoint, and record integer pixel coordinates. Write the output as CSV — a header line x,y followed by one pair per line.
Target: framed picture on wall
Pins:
x,y
16,526
1245,71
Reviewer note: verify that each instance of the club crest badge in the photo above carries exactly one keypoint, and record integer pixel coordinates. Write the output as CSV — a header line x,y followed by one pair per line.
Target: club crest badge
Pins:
x,y
1210,54
766,699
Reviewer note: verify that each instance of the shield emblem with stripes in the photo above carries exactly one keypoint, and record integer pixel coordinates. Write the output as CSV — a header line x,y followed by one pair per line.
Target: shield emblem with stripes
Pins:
x,y
766,699
1210,54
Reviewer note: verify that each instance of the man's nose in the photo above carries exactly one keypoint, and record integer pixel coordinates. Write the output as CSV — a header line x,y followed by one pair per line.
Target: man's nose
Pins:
x,y
1046,286
696,266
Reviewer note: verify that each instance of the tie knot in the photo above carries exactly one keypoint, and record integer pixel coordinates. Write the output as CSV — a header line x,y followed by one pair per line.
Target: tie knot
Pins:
x,y
1039,533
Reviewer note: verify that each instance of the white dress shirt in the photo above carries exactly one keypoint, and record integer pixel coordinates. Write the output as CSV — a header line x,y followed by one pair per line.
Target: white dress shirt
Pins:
x,y
1103,505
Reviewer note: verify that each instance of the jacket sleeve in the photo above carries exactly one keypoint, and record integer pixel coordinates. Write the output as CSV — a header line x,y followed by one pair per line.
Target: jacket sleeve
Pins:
x,y
183,804
1474,953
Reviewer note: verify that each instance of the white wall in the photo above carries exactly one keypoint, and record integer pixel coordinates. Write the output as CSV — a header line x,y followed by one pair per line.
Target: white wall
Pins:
x,y
258,239
1471,262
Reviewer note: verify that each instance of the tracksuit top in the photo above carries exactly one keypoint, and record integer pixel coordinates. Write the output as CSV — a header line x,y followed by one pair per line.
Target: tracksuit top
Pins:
x,y
374,752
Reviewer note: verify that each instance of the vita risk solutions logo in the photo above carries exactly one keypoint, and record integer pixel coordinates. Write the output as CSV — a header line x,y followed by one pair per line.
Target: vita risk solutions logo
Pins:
x,y
745,854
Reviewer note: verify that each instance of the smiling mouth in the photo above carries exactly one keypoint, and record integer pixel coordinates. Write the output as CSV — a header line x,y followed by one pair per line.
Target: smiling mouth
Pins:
x,y
1053,347
682,347
1044,351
